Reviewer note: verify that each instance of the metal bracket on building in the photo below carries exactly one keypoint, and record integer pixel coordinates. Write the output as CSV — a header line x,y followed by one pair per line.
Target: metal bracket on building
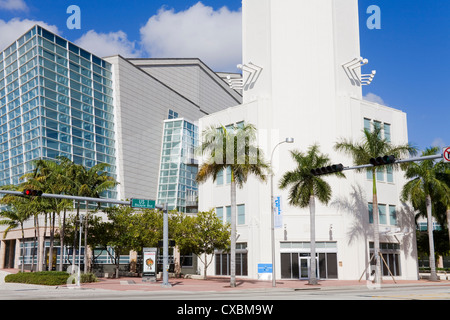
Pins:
x,y
350,69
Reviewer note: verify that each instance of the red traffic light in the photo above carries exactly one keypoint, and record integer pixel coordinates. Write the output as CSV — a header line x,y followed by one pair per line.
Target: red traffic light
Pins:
x,y
32,193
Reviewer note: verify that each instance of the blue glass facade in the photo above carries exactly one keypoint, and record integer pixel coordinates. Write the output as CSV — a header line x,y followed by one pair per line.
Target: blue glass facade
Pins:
x,y
56,99
177,186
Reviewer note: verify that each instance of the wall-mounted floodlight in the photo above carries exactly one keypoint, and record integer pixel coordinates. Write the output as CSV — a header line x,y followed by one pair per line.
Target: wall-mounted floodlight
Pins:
x,y
253,73
350,69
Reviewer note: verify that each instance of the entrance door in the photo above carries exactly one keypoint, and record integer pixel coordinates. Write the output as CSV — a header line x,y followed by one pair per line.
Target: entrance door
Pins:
x,y
304,266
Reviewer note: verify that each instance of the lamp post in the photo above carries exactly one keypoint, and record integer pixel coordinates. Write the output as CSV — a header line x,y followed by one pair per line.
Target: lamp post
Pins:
x,y
272,224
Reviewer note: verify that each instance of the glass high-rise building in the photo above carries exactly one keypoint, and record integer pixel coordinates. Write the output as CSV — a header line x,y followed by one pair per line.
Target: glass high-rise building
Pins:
x,y
56,99
177,185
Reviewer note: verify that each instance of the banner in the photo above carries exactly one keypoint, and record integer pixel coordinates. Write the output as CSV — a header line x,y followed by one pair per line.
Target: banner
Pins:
x,y
278,219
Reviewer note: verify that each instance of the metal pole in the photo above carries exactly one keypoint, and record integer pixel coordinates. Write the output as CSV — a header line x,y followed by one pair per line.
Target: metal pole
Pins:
x,y
79,250
272,216
165,283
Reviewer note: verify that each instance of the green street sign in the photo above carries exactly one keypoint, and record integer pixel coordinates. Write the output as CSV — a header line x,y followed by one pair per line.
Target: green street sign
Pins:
x,y
143,203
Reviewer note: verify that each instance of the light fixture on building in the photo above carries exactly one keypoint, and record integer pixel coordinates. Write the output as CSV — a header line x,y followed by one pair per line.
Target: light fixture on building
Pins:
x,y
350,69
253,71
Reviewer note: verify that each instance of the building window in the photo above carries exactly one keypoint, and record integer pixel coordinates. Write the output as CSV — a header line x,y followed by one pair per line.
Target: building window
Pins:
x,y
392,216
241,214
219,178
382,213
228,212
385,134
228,172
219,213
391,258
294,255
222,261
187,260
172,114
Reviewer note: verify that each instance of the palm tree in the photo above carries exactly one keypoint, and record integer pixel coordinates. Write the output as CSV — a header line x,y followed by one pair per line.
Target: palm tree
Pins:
x,y
19,211
372,146
51,177
305,187
443,174
91,183
231,149
425,184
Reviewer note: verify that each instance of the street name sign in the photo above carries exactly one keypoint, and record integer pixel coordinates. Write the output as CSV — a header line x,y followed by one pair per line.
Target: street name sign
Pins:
x,y
143,203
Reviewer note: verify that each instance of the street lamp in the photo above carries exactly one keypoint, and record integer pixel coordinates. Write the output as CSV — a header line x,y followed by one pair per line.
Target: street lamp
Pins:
x,y
287,140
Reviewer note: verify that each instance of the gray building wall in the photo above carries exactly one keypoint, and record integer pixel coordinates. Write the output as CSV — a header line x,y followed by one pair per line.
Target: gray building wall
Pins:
x,y
143,96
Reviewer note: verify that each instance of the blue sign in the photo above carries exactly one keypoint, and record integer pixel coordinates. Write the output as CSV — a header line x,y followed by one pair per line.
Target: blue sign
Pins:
x,y
278,218
264,268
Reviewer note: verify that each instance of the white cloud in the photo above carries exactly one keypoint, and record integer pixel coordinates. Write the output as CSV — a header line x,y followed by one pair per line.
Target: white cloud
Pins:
x,y
214,36
13,5
107,44
14,28
439,142
374,98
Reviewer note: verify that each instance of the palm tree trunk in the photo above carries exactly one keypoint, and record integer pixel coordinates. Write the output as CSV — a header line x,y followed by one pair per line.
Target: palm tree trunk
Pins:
x,y
376,231
74,245
312,262
233,233
52,239
61,240
433,275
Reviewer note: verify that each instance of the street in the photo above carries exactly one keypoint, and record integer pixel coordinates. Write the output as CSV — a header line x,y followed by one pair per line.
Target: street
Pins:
x,y
403,292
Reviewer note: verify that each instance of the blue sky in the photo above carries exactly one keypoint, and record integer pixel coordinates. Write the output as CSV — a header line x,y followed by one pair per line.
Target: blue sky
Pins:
x,y
409,52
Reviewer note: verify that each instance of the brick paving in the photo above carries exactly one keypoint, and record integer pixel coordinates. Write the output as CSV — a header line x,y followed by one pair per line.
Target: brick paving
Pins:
x,y
222,284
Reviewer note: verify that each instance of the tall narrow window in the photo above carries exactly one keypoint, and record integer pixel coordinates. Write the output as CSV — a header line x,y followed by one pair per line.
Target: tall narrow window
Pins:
x,y
389,174
382,213
387,132
370,207
228,171
219,213
228,208
392,216
241,214
367,124
219,178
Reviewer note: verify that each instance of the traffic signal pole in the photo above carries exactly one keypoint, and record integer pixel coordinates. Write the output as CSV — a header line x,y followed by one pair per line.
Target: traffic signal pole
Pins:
x,y
437,156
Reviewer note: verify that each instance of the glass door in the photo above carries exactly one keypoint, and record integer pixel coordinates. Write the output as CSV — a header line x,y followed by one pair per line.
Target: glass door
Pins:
x,y
304,266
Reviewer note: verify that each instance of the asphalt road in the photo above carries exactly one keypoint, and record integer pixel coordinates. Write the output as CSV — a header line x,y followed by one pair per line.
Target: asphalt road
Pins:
x,y
31,292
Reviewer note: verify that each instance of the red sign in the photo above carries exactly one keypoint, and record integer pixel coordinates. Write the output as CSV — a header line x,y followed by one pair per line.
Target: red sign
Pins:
x,y
446,153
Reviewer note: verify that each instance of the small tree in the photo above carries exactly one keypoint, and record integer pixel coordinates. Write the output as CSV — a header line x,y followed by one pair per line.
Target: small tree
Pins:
x,y
209,234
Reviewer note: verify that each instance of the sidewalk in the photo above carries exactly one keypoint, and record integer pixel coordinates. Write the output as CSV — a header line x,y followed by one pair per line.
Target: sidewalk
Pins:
x,y
222,284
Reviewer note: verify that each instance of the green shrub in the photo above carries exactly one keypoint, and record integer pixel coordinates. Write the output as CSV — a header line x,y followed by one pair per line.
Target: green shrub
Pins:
x,y
48,278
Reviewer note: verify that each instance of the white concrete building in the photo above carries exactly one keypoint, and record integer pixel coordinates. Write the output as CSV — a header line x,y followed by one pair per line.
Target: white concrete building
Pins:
x,y
297,83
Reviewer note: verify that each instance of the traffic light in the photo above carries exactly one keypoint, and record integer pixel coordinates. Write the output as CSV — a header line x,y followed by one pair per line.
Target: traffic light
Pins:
x,y
327,170
379,161
32,193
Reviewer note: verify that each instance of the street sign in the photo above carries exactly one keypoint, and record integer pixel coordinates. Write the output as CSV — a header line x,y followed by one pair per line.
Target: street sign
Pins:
x,y
143,203
446,153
